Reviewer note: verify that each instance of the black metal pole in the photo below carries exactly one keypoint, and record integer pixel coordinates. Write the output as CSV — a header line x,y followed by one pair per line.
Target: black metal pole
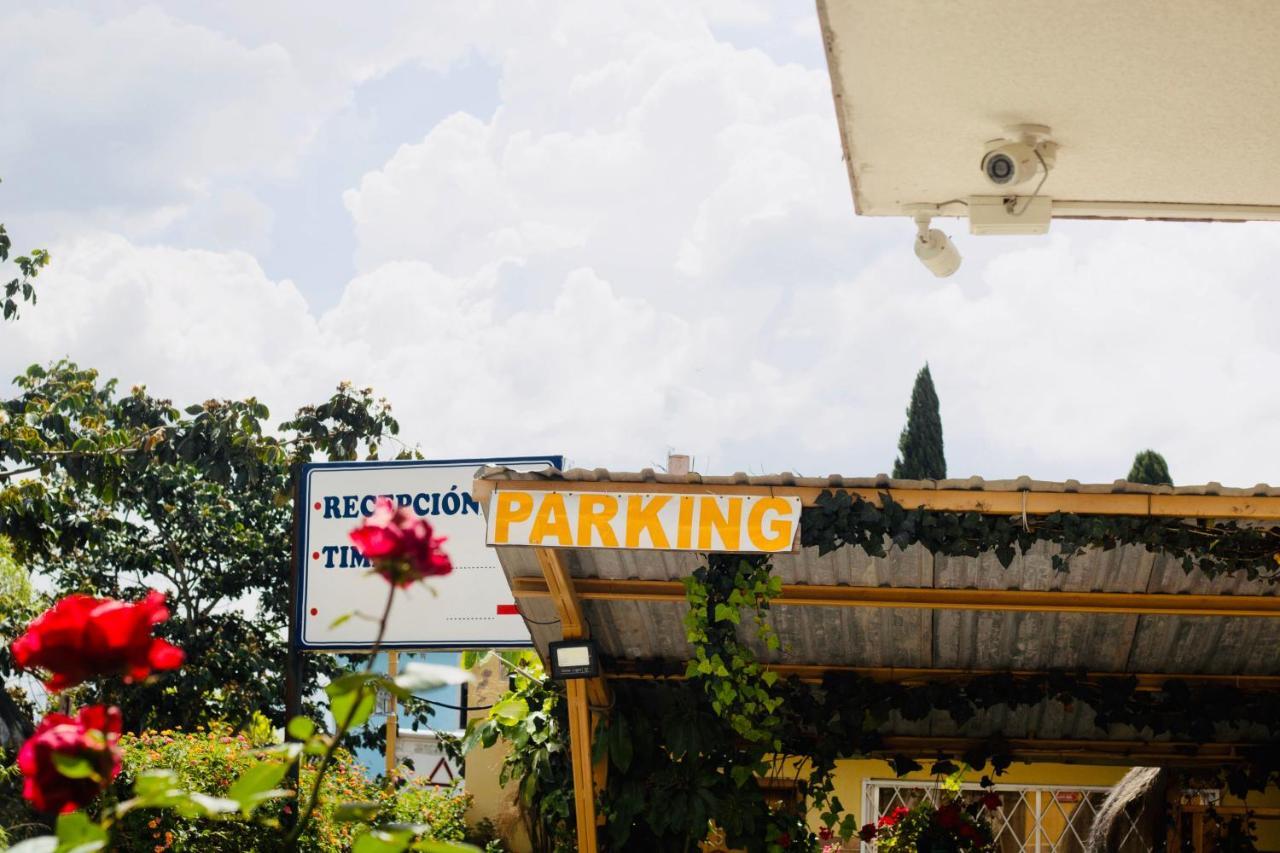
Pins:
x,y
293,672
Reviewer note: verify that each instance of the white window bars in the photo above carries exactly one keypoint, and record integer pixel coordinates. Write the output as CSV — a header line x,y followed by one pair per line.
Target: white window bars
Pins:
x,y
1032,818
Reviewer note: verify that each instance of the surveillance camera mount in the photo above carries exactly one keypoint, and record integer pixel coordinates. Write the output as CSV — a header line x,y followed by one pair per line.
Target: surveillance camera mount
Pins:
x,y
922,214
1038,136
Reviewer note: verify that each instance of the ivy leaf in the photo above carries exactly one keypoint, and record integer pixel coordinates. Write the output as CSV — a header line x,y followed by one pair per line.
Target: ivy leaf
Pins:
x,y
902,765
943,768
511,710
620,746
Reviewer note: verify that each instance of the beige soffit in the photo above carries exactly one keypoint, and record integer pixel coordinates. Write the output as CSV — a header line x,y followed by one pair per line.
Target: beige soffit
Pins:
x,y
1162,108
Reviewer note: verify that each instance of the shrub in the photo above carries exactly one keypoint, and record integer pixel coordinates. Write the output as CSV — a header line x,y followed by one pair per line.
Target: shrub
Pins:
x,y
208,760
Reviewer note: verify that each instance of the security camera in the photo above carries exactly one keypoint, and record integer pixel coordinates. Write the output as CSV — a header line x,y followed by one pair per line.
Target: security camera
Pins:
x,y
935,249
1017,158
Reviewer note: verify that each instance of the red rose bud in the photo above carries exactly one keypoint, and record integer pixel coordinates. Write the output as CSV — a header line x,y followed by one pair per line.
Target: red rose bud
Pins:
x,y
991,800
401,546
81,637
85,746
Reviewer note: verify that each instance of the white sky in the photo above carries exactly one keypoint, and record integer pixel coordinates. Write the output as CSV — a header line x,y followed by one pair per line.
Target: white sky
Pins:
x,y
596,228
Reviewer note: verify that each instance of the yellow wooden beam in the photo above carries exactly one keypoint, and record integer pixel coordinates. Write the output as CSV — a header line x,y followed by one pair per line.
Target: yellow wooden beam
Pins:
x,y
580,747
912,676
931,598
1257,508
559,585
591,694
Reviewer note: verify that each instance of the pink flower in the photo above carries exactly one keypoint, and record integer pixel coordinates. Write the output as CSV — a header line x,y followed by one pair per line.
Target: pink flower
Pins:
x,y
91,737
401,546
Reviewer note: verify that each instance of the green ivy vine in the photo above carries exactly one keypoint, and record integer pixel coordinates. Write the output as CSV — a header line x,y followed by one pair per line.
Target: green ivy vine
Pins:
x,y
841,518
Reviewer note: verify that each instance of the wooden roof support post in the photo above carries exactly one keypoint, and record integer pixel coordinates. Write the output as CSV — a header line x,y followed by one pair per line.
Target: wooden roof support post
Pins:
x,y
588,698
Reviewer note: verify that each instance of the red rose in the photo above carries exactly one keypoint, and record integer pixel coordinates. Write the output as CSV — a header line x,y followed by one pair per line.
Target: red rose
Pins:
x,y
967,831
868,833
401,546
991,800
82,636
92,736
949,816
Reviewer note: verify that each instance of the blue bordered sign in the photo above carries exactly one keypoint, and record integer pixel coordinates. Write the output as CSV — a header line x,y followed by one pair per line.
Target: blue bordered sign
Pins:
x,y
470,608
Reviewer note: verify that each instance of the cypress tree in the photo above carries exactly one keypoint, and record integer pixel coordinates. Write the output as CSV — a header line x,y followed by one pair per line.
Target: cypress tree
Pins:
x,y
1149,467
920,455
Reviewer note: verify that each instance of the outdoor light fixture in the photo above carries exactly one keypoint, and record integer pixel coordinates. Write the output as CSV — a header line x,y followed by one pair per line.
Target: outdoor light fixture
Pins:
x,y
934,249
574,659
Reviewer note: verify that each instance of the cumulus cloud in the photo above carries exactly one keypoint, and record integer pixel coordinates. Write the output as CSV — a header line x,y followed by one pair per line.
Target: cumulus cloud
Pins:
x,y
649,244
140,109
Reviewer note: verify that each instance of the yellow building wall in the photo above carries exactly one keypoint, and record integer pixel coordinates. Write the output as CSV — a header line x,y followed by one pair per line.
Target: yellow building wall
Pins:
x,y
489,799
851,775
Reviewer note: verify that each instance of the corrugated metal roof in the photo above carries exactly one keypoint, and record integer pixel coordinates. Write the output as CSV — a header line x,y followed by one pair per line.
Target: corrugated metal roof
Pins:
x,y
951,639
879,481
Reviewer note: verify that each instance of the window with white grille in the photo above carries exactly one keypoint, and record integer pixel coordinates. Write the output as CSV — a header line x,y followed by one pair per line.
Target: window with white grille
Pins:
x,y
1032,818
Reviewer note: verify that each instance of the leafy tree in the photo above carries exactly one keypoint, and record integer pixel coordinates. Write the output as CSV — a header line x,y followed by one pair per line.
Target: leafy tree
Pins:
x,y
19,603
113,493
20,288
1149,467
920,445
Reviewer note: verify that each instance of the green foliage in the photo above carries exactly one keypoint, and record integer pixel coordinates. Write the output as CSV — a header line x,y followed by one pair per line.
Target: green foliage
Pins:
x,y
22,287
532,719
19,604
920,451
1216,548
1149,467
221,764
130,489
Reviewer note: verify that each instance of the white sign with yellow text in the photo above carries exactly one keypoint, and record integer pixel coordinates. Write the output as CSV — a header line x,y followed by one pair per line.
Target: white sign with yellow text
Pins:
x,y
644,521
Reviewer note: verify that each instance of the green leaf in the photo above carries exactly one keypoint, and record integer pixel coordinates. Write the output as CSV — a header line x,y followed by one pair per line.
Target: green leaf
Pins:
x,y
301,728
74,766
78,834
363,812
431,845
727,613
381,841
258,784
202,805
351,701
511,709
340,620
